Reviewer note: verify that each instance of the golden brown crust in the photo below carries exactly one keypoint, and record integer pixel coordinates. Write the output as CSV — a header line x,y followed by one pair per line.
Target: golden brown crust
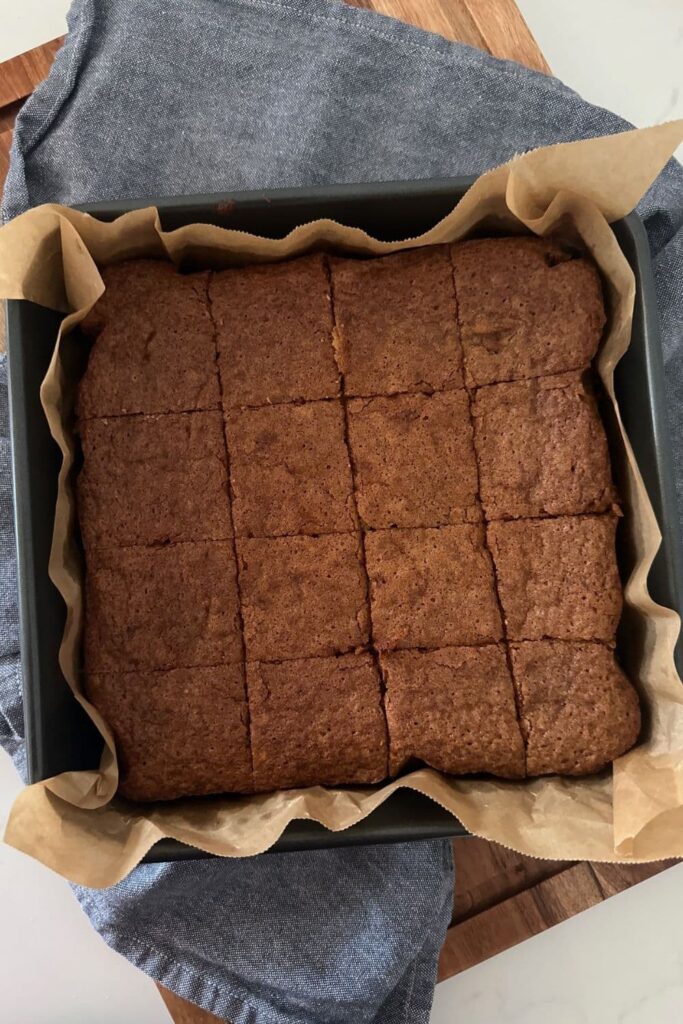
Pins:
x,y
453,709
177,462
414,460
290,471
316,425
578,709
541,449
526,308
317,721
302,597
431,588
274,332
147,311
179,732
161,608
396,325
558,578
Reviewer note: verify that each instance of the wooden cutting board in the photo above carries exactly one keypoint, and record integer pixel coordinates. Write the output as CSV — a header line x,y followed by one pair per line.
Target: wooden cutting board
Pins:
x,y
501,897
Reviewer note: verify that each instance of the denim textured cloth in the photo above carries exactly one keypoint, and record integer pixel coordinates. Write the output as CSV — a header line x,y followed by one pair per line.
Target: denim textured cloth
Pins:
x,y
149,99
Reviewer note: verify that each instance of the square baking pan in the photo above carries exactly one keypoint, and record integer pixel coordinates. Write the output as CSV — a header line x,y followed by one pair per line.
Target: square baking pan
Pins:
x,y
59,735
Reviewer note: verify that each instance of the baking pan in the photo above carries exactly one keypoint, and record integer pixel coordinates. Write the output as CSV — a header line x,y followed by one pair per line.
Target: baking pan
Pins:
x,y
60,736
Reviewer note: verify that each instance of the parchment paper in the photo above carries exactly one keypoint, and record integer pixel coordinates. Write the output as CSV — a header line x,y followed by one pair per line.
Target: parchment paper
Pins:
x,y
76,825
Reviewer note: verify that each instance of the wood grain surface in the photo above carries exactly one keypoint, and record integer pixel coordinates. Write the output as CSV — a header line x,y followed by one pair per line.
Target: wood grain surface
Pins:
x,y
5,146
502,898
493,25
183,1012
488,874
20,75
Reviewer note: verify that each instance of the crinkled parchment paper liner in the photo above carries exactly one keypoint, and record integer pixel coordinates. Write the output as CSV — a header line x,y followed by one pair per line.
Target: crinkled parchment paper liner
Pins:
x,y
73,822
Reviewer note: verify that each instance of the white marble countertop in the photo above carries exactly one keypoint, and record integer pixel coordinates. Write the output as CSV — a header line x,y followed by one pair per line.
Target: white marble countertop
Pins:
x,y
618,963
621,962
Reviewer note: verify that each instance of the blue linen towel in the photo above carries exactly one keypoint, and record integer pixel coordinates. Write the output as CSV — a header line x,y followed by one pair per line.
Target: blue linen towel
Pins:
x,y
183,96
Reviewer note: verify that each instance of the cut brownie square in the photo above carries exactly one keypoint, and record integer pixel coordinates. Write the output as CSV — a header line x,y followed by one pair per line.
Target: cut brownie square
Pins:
x,y
178,733
396,323
578,709
154,348
453,709
541,448
431,588
274,327
153,479
558,578
161,608
526,308
317,721
302,597
290,470
414,460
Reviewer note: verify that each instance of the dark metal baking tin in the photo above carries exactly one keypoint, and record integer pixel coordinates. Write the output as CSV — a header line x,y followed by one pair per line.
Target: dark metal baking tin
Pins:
x,y
60,737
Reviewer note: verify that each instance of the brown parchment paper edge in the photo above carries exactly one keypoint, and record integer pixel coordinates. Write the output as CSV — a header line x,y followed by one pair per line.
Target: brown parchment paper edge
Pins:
x,y
72,823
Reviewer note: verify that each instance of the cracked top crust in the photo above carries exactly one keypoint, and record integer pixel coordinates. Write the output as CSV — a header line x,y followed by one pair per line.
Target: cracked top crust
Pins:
x,y
558,578
578,709
185,731
431,588
147,311
526,308
290,470
303,597
317,721
161,608
396,326
177,461
274,332
414,460
541,448
418,573
454,709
